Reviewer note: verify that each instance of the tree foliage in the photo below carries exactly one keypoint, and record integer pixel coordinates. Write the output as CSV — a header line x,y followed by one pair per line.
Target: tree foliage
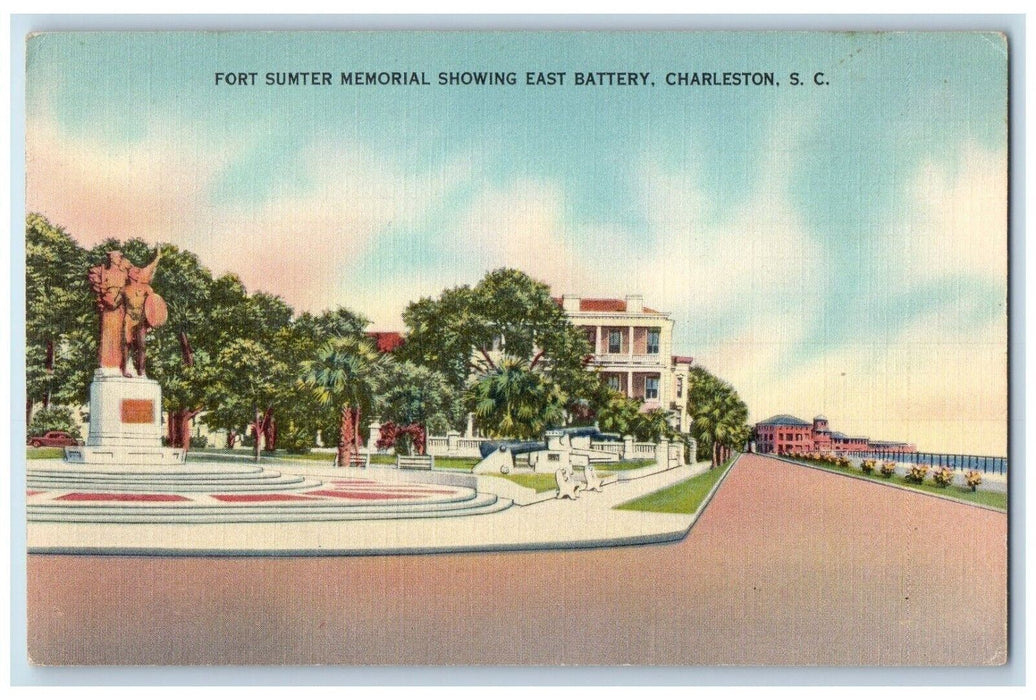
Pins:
x,y
60,319
55,418
342,376
720,416
411,394
456,333
515,400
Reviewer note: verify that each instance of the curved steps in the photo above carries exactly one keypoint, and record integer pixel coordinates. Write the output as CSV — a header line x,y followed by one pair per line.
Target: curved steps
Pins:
x,y
206,493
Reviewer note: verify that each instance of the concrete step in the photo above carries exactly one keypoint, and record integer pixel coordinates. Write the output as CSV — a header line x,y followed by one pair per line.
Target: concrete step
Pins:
x,y
477,504
264,483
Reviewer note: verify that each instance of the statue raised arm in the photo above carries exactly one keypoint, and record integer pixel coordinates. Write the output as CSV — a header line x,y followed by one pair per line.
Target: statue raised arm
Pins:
x,y
128,307
145,309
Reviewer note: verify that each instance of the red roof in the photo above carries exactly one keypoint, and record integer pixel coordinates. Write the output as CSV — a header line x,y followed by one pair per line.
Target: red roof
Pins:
x,y
605,305
387,341
682,360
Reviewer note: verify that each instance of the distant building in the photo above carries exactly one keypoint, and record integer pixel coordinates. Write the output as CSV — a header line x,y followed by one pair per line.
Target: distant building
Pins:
x,y
782,434
632,346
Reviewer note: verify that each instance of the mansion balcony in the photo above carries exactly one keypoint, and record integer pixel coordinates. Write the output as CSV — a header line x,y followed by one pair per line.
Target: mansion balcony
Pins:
x,y
621,359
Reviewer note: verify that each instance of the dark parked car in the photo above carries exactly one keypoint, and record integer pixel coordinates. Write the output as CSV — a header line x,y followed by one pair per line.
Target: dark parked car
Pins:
x,y
52,438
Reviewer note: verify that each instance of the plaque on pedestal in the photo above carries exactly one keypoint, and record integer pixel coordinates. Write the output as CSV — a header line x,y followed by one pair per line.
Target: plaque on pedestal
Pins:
x,y
125,423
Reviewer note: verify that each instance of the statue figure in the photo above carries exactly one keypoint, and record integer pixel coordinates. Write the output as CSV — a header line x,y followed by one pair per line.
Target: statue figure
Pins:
x,y
128,307
593,481
567,485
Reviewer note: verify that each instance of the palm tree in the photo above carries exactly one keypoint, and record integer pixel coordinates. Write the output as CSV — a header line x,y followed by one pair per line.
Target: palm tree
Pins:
x,y
342,376
619,413
719,414
515,400
652,426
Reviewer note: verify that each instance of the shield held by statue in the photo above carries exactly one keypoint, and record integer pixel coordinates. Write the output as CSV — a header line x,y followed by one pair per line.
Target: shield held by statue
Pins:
x,y
155,310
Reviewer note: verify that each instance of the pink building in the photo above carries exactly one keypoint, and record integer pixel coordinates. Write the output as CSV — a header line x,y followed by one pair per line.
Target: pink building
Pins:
x,y
782,434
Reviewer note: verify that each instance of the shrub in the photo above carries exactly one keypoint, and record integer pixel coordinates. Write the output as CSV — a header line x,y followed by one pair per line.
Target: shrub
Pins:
x,y
973,479
916,474
868,465
55,418
844,462
943,476
199,441
888,469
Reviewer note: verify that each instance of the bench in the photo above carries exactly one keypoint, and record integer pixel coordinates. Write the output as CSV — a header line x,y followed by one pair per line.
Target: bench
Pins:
x,y
415,462
360,459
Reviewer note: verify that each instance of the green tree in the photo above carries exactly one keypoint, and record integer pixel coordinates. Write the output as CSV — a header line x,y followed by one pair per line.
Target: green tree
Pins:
x,y
246,386
299,415
507,314
408,393
652,426
513,399
342,376
719,415
55,418
60,319
619,413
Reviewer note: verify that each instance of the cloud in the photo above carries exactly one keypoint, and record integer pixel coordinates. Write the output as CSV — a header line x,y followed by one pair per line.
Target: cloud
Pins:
x,y
99,190
956,221
297,242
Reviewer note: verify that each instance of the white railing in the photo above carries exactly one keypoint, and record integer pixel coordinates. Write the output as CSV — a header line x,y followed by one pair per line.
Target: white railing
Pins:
x,y
622,358
453,445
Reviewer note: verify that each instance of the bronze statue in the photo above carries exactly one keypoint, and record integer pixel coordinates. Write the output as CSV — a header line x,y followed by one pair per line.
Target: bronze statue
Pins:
x,y
128,307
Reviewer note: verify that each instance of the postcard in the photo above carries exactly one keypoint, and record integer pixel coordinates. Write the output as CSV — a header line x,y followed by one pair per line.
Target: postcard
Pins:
x,y
512,348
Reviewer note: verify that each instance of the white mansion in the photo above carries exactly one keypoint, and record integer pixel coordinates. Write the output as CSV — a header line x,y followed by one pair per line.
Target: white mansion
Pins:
x,y
632,347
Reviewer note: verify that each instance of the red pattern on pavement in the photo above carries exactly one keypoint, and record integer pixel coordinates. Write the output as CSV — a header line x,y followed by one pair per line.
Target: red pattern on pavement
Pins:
x,y
259,497
121,497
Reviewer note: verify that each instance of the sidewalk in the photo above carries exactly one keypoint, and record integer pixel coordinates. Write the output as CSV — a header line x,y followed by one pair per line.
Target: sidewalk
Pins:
x,y
588,521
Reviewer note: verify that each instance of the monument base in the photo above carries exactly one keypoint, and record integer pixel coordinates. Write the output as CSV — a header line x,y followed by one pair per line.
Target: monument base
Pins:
x,y
125,423
114,454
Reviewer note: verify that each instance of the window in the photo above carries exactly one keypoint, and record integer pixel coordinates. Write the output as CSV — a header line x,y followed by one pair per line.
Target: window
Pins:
x,y
614,341
614,382
679,387
651,388
652,341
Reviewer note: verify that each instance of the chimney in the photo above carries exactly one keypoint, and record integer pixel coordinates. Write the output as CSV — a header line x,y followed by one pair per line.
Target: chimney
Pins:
x,y
570,302
634,304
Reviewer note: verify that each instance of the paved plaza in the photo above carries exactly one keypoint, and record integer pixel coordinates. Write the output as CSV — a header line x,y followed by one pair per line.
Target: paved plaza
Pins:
x,y
787,565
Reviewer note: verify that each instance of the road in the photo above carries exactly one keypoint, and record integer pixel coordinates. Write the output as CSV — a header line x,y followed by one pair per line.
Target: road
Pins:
x,y
788,565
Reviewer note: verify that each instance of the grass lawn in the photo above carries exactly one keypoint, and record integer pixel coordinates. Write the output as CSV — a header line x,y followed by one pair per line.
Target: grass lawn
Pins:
x,y
537,482
626,465
458,463
44,452
683,497
985,498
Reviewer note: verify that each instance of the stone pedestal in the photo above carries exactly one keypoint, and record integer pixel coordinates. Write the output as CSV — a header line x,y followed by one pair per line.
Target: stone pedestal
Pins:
x,y
125,423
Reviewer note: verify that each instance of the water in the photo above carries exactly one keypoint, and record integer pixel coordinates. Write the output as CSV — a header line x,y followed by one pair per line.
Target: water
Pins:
x,y
988,465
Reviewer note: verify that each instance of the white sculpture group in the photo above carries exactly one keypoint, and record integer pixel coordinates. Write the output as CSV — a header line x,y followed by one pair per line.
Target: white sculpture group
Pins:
x,y
568,487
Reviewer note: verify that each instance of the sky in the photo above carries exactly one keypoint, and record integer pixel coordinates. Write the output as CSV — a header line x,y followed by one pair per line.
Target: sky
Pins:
x,y
837,248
